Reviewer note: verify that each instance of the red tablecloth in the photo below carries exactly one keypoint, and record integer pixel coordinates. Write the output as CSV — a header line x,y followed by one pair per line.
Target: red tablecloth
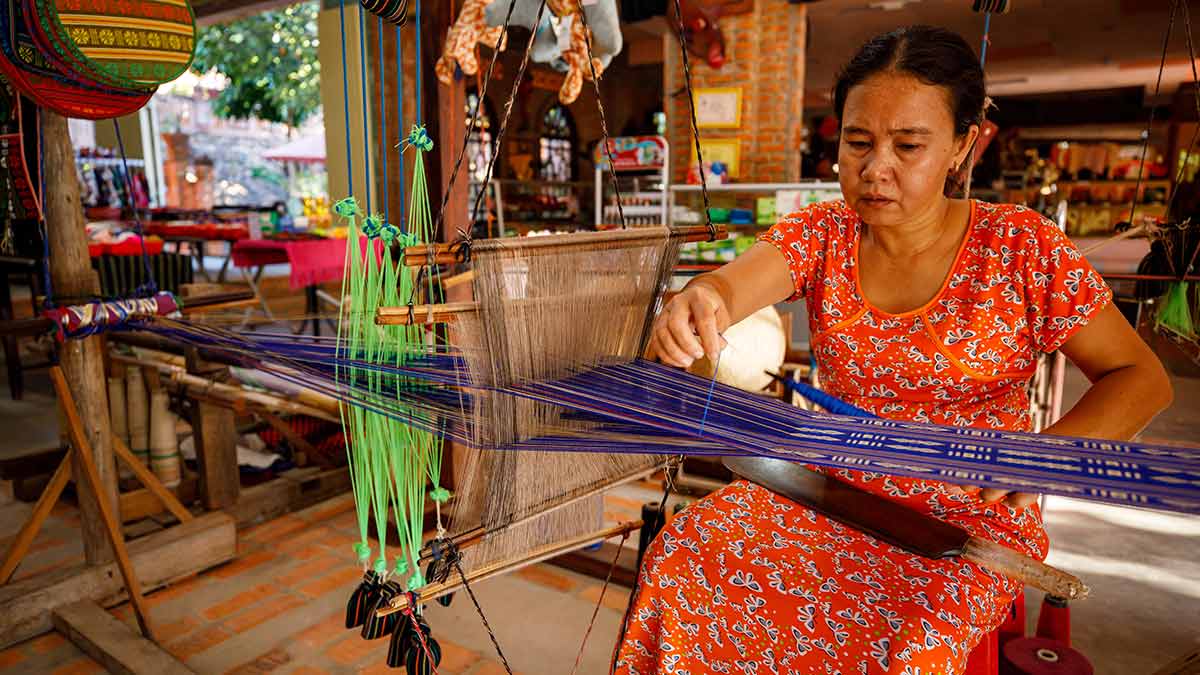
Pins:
x,y
313,261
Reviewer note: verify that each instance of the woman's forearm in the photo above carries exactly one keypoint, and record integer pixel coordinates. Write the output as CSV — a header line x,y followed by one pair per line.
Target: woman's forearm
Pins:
x,y
1118,405
757,278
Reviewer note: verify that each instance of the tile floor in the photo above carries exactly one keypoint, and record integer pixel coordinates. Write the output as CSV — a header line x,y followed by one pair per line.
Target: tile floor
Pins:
x,y
278,608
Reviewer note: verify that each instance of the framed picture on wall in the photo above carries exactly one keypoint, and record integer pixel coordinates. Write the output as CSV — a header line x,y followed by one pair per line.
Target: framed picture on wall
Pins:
x,y
728,151
719,108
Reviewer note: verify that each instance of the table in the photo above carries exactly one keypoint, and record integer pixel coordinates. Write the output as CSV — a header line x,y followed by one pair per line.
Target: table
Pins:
x,y
312,261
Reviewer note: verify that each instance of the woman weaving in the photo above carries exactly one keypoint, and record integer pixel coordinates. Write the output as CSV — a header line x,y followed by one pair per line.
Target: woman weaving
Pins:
x,y
921,307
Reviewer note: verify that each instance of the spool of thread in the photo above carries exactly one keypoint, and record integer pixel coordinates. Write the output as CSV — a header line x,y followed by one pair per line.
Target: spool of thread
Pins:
x,y
137,414
990,6
1039,656
118,415
164,447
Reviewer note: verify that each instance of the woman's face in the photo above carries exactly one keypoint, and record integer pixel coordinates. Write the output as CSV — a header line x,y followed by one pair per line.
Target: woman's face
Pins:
x,y
897,147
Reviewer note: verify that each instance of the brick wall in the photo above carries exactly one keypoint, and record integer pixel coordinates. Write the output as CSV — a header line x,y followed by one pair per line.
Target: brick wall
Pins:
x,y
764,52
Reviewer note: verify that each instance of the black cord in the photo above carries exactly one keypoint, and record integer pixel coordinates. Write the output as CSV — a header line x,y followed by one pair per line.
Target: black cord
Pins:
x,y
687,81
508,106
1162,64
612,167
462,152
471,594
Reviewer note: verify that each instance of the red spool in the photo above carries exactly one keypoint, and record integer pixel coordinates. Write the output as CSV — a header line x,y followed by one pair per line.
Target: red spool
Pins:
x,y
1039,656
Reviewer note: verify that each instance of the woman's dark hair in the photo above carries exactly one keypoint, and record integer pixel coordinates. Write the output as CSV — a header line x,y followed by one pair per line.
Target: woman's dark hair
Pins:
x,y
935,56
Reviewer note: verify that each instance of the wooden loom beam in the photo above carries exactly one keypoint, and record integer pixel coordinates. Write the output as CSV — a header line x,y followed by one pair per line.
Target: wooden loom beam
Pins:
x,y
445,254
435,591
82,360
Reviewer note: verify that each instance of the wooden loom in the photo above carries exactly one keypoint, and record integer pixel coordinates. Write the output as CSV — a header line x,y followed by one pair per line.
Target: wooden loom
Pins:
x,y
528,255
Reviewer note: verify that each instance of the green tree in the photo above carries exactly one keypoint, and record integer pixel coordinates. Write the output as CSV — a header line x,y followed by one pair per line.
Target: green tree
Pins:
x,y
271,63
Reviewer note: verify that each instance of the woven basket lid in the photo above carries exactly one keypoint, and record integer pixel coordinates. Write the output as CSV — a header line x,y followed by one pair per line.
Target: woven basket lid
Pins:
x,y
131,44
25,68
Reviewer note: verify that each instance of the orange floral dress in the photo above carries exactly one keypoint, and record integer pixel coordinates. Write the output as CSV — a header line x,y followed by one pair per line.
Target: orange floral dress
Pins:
x,y
746,581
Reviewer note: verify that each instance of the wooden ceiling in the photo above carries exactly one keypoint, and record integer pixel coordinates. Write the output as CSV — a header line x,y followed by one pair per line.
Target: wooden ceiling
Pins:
x,y
1039,46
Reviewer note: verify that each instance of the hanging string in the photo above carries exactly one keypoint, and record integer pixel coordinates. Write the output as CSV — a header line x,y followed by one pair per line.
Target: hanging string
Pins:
x,y
362,69
383,125
150,287
471,594
49,299
474,124
400,124
508,106
1162,65
687,82
1187,25
346,102
612,168
984,42
420,114
599,601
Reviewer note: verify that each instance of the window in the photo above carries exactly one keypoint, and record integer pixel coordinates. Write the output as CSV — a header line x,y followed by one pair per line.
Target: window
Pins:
x,y
557,145
479,145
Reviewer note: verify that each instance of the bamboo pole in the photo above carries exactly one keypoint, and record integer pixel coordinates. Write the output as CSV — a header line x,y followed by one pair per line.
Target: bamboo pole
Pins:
x,y
444,254
82,360
435,591
229,395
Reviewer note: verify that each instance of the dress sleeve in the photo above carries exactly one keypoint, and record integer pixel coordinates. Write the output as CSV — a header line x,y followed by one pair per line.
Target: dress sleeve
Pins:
x,y
1063,290
800,237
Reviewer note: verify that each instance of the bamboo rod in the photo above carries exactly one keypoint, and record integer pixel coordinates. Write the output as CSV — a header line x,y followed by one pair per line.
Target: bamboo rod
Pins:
x,y
444,254
225,394
450,311
435,591
475,535
151,481
423,314
20,544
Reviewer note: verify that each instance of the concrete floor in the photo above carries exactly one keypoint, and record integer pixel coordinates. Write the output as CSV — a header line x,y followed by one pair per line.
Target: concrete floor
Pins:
x,y
278,608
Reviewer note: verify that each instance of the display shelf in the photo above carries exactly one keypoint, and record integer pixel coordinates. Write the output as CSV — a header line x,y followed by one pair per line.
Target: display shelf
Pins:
x,y
763,200
640,165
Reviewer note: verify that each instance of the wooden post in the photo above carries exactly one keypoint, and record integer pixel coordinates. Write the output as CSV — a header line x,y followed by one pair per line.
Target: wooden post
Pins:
x,y
82,360
214,429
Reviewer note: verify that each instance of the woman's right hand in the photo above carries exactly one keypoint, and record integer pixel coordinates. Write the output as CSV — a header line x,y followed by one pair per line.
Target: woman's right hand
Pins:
x,y
690,326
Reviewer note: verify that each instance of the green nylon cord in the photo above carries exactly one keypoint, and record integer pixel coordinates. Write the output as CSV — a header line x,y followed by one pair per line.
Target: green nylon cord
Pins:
x,y
391,463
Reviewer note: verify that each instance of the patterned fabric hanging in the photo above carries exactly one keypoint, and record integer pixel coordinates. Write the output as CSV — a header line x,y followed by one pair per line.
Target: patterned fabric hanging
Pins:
x,y
18,153
24,66
130,45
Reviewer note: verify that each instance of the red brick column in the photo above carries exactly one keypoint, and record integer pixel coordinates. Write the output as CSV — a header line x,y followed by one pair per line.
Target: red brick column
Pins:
x,y
764,52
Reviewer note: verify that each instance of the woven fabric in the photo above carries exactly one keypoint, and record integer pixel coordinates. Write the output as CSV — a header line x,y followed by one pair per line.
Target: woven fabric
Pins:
x,y
17,187
23,65
133,45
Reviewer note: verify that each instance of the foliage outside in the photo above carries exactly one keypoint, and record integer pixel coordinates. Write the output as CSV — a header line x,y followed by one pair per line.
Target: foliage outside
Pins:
x,y
270,61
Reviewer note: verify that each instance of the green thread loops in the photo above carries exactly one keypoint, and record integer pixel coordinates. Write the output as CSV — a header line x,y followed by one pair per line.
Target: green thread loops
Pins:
x,y
371,226
347,208
440,494
416,581
417,138
392,465
362,552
